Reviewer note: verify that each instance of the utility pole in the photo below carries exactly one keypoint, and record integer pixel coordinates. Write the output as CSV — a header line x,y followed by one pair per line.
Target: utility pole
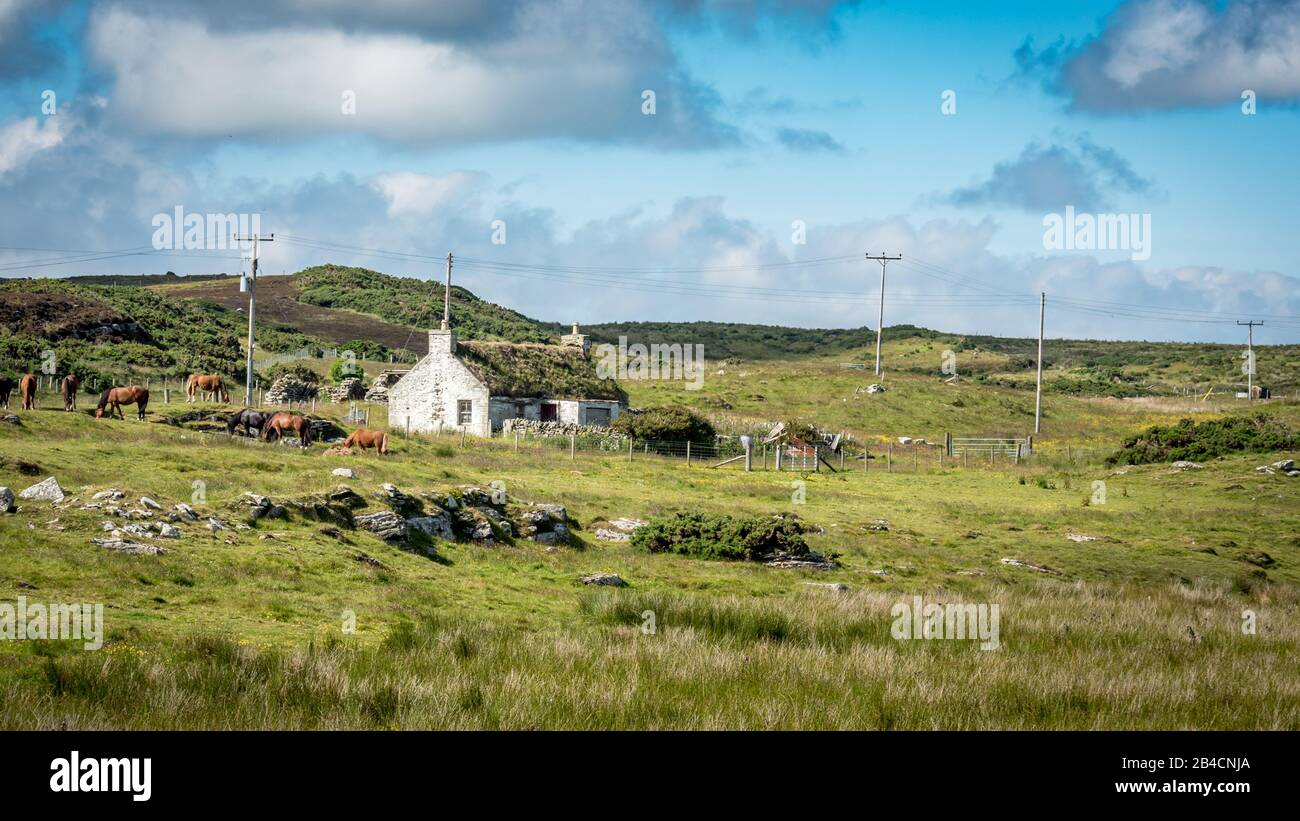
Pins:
x,y
883,259
1038,395
252,311
446,298
1250,358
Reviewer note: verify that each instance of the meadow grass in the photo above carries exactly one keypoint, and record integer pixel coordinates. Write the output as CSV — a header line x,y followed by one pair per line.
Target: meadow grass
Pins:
x,y
1142,628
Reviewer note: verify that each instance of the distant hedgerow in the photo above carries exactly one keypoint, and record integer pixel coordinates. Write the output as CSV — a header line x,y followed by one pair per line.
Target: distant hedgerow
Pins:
x,y
1255,433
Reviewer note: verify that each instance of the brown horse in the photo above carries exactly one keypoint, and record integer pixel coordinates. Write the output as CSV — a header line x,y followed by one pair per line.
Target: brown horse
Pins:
x,y
27,386
69,387
205,384
115,398
281,422
362,439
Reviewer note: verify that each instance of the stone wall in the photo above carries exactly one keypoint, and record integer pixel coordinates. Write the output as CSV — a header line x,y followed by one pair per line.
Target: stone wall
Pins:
x,y
535,427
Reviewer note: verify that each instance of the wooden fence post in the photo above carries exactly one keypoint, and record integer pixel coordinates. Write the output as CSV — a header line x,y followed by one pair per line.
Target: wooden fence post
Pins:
x,y
688,454
889,458
573,446
629,449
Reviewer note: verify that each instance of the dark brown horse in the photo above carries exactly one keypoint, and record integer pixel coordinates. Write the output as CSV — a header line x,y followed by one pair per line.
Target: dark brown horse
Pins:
x,y
362,439
249,418
115,398
68,387
7,386
205,384
281,422
27,386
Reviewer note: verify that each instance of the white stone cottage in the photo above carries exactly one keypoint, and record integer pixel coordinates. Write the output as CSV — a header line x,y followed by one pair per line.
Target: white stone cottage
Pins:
x,y
477,386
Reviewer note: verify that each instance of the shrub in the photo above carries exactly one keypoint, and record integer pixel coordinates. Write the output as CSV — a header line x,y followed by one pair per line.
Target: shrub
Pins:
x,y
345,367
670,424
1254,433
300,373
719,536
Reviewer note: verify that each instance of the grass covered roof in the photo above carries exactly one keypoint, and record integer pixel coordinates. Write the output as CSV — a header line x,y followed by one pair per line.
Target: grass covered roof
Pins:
x,y
524,370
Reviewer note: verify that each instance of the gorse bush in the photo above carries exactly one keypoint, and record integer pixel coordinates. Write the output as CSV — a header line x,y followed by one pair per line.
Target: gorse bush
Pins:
x,y
719,536
1255,433
299,372
665,424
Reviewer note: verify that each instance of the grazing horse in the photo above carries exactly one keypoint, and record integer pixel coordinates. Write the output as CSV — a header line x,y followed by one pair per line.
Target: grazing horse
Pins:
x,y
281,422
7,386
205,384
117,397
362,439
27,386
68,387
249,418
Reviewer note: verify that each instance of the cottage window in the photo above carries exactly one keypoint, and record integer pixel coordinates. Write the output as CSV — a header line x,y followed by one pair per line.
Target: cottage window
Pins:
x,y
464,411
597,416
550,412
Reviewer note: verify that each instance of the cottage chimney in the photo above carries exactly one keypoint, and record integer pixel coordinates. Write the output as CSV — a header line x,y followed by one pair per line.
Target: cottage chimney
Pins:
x,y
577,339
442,340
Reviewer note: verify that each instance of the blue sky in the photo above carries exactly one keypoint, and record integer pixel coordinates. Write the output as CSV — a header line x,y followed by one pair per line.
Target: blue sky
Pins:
x,y
767,112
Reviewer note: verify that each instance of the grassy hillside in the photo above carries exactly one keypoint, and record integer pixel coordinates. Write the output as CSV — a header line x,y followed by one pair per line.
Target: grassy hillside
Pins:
x,y
413,302
116,335
1084,367
245,628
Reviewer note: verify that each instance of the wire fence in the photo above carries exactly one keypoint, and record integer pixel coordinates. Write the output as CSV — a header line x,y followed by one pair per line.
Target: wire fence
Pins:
x,y
852,456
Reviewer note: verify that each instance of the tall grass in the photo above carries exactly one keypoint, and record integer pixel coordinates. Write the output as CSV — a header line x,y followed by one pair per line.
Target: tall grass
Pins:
x,y
1082,656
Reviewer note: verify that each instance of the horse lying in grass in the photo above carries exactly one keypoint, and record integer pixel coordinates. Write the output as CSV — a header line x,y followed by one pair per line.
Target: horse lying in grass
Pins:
x,y
68,387
27,386
281,422
206,385
249,418
362,439
114,398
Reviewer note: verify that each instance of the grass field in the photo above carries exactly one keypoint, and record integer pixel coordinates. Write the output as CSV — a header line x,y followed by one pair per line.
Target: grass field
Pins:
x,y
1141,627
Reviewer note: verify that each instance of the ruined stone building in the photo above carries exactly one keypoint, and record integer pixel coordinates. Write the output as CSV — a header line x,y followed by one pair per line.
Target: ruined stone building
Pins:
x,y
477,386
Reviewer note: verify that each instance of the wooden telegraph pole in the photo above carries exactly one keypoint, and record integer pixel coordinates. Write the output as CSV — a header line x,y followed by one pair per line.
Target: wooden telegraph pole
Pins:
x,y
251,282
883,259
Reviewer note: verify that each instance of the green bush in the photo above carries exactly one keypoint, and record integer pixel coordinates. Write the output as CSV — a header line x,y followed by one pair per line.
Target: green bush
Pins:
x,y
299,372
665,424
1255,433
719,536
345,368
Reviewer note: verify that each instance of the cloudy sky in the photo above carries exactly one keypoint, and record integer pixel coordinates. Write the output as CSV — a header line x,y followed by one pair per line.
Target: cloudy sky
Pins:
x,y
726,160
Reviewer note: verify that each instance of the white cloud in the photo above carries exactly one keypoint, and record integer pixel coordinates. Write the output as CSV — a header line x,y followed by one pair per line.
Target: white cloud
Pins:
x,y
1161,54
417,194
572,69
24,138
